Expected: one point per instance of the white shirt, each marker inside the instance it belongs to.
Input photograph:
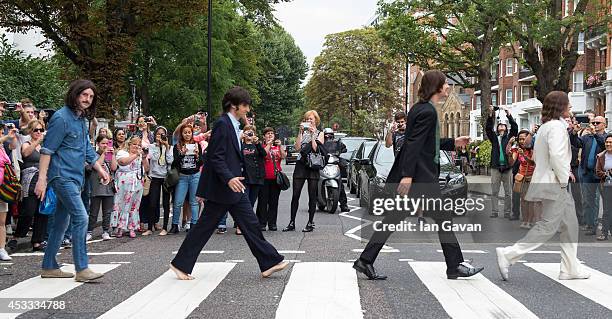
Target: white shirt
(236, 125)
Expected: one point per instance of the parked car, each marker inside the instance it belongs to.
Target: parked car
(375, 169)
(354, 165)
(352, 144)
(292, 155)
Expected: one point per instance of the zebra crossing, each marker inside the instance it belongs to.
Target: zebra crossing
(321, 290)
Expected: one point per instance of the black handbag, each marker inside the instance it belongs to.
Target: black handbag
(172, 178)
(315, 160)
(281, 178)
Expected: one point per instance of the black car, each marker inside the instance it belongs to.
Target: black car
(292, 155)
(352, 143)
(375, 169)
(354, 166)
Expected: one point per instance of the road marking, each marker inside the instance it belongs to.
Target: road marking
(234, 261)
(120, 262)
(5, 264)
(168, 297)
(596, 288)
(364, 222)
(29, 254)
(405, 259)
(291, 252)
(206, 252)
(111, 253)
(469, 251)
(476, 297)
(293, 260)
(321, 290)
(544, 252)
(99, 240)
(392, 250)
(47, 289)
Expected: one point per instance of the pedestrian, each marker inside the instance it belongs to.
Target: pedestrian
(65, 151)
(222, 189)
(267, 203)
(604, 172)
(574, 131)
(119, 138)
(160, 160)
(418, 164)
(549, 185)
(11, 137)
(522, 152)
(591, 143)
(336, 148)
(102, 196)
(129, 181)
(308, 141)
(395, 136)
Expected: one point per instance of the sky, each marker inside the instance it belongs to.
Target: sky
(309, 21)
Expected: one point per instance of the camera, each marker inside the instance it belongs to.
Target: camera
(250, 134)
(148, 119)
(164, 137)
(306, 125)
(495, 108)
(11, 106)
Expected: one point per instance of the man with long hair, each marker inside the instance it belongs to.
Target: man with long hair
(65, 151)
(418, 164)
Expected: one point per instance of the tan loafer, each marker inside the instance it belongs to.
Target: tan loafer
(278, 267)
(147, 233)
(163, 233)
(55, 273)
(87, 275)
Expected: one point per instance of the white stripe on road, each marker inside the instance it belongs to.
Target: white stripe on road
(321, 290)
(291, 252)
(392, 250)
(29, 254)
(544, 252)
(405, 259)
(596, 288)
(206, 252)
(120, 262)
(111, 253)
(474, 297)
(168, 297)
(468, 251)
(234, 261)
(47, 288)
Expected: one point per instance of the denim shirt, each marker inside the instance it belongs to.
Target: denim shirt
(67, 142)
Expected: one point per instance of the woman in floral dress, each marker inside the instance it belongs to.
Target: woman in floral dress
(129, 181)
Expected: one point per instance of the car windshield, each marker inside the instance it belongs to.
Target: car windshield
(367, 148)
(351, 144)
(385, 155)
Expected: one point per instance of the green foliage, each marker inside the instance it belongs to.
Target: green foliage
(27, 77)
(484, 153)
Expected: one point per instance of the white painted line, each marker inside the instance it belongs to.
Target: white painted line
(293, 260)
(99, 240)
(522, 261)
(206, 252)
(321, 290)
(393, 250)
(168, 297)
(111, 253)
(610, 253)
(5, 264)
(291, 252)
(352, 260)
(47, 288)
(469, 251)
(596, 288)
(474, 297)
(544, 252)
(405, 259)
(234, 261)
(120, 262)
(29, 254)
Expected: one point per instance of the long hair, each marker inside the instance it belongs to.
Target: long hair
(433, 81)
(72, 97)
(32, 125)
(555, 103)
(181, 142)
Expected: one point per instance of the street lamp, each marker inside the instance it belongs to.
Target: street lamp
(209, 75)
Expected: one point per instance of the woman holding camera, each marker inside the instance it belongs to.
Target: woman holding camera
(604, 172)
(129, 181)
(102, 196)
(119, 138)
(188, 159)
(309, 140)
(523, 152)
(160, 160)
(267, 205)
(143, 130)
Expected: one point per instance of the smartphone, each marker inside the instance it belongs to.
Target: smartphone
(191, 149)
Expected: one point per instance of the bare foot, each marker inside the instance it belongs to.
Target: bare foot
(181, 275)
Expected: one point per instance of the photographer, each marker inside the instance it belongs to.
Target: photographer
(160, 161)
(522, 151)
(336, 148)
(574, 131)
(395, 136)
(143, 131)
(592, 143)
(501, 170)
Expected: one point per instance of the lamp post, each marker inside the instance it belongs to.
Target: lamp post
(209, 75)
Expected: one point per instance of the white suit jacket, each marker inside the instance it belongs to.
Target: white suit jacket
(552, 156)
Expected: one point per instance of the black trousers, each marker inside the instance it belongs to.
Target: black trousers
(106, 202)
(343, 200)
(448, 240)
(29, 216)
(298, 184)
(267, 205)
(242, 213)
(577, 195)
(253, 193)
(155, 192)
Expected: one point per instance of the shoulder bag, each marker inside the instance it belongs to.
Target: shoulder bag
(281, 178)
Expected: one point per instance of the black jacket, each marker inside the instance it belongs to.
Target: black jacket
(495, 147)
(585, 143)
(576, 144)
(336, 148)
(254, 163)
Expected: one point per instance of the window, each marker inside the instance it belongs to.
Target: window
(493, 99)
(581, 43)
(509, 66)
(494, 71)
(525, 92)
(578, 80)
(509, 96)
(566, 8)
(478, 102)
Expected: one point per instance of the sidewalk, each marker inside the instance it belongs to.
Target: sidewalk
(480, 184)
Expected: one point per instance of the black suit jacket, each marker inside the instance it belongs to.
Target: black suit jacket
(416, 157)
(223, 161)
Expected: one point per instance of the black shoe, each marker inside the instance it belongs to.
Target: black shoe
(463, 271)
(494, 215)
(514, 218)
(345, 209)
(309, 227)
(221, 230)
(262, 227)
(40, 247)
(174, 229)
(290, 227)
(507, 215)
(368, 270)
(12, 244)
(272, 228)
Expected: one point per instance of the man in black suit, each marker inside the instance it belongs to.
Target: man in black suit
(416, 170)
(222, 190)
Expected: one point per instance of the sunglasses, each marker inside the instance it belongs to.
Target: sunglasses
(40, 130)
(596, 123)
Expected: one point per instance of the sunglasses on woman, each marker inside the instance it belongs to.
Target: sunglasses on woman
(40, 130)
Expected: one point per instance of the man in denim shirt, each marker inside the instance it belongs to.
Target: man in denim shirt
(65, 150)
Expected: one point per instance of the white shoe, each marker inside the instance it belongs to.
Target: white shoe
(502, 263)
(88, 237)
(582, 275)
(105, 236)
(187, 227)
(4, 256)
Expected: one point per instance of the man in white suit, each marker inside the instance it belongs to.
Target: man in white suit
(552, 155)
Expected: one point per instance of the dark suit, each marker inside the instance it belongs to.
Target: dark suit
(223, 162)
(416, 159)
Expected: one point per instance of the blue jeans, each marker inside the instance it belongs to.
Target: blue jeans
(590, 196)
(70, 209)
(187, 183)
(50, 221)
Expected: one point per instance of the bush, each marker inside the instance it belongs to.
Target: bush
(484, 153)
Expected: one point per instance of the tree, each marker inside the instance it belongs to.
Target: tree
(38, 79)
(354, 73)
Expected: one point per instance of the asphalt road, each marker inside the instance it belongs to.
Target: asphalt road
(318, 284)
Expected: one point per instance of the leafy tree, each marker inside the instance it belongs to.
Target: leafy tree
(354, 73)
(38, 79)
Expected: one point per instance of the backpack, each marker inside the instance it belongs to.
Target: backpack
(10, 188)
